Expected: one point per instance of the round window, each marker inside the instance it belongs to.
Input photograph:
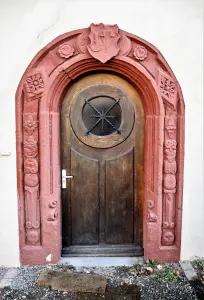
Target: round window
(102, 115)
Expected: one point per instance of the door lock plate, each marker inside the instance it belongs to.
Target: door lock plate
(64, 178)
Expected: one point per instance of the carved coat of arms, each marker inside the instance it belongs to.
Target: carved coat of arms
(104, 41)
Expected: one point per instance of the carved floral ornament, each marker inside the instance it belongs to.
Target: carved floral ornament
(167, 88)
(66, 50)
(140, 52)
(34, 83)
(38, 147)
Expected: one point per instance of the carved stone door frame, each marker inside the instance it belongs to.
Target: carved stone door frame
(38, 104)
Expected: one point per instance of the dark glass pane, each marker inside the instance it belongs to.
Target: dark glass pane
(102, 115)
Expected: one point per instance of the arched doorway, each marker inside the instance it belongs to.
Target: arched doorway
(102, 133)
(99, 48)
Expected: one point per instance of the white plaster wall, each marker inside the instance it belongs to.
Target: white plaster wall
(175, 27)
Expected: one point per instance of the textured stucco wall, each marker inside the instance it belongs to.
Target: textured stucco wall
(175, 27)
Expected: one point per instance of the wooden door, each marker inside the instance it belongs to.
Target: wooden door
(102, 128)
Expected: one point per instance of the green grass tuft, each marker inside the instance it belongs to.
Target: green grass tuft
(168, 273)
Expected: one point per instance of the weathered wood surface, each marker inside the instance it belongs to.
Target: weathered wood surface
(102, 205)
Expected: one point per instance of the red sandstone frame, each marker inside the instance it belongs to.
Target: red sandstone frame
(38, 104)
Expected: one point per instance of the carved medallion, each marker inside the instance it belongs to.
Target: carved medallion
(168, 237)
(171, 145)
(31, 179)
(30, 165)
(30, 147)
(104, 41)
(170, 126)
(33, 237)
(140, 52)
(170, 166)
(30, 124)
(66, 50)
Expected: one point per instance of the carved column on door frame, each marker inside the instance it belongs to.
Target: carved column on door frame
(33, 87)
(169, 179)
(31, 179)
(168, 92)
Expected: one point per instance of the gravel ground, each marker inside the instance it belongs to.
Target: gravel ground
(2, 272)
(199, 268)
(129, 283)
(166, 290)
(198, 284)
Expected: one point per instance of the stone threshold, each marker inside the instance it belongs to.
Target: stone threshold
(101, 261)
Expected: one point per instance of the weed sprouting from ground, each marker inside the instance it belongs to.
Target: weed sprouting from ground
(158, 271)
(151, 263)
(168, 273)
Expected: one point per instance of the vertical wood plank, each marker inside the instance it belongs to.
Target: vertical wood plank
(119, 200)
(84, 200)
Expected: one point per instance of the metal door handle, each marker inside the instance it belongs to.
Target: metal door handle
(64, 177)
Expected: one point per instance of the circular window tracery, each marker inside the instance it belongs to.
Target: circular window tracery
(102, 115)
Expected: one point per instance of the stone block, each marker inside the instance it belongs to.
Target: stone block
(188, 270)
(77, 282)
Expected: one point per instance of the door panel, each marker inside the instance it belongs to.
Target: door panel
(103, 203)
(119, 200)
(84, 200)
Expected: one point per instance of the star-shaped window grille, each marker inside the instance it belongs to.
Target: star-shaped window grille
(103, 115)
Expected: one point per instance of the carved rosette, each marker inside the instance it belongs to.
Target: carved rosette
(169, 178)
(66, 50)
(167, 88)
(34, 85)
(140, 52)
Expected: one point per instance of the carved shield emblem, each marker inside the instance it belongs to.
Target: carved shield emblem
(104, 41)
